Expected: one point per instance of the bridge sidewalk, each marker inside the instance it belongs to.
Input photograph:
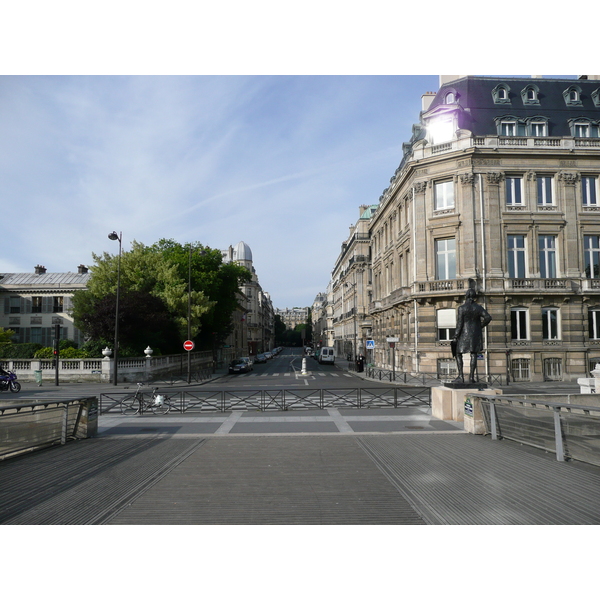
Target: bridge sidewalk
(166, 471)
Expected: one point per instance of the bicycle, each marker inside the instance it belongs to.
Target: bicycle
(138, 403)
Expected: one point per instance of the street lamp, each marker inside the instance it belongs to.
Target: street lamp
(113, 236)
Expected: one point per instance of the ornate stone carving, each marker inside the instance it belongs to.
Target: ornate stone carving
(467, 178)
(420, 187)
(493, 178)
(568, 177)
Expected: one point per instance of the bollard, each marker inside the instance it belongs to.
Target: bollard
(303, 366)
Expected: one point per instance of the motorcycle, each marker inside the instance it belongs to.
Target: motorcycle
(8, 381)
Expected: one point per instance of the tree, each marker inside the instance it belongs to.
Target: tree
(219, 282)
(6, 335)
(144, 320)
(160, 272)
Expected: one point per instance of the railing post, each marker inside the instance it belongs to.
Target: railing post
(560, 454)
(493, 420)
(63, 436)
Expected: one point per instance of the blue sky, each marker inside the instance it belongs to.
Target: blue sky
(280, 162)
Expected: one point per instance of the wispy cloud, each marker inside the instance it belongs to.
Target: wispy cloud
(281, 163)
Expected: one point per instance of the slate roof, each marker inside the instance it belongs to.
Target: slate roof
(474, 95)
(44, 280)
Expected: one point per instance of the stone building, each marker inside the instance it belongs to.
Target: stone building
(254, 322)
(351, 288)
(292, 317)
(34, 303)
(498, 189)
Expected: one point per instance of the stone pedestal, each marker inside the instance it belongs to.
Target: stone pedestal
(449, 404)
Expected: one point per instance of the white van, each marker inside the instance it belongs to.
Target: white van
(326, 355)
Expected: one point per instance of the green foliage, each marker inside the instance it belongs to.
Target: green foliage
(67, 352)
(164, 272)
(6, 335)
(18, 350)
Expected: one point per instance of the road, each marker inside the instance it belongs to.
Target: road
(285, 371)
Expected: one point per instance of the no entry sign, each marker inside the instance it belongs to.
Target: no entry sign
(188, 345)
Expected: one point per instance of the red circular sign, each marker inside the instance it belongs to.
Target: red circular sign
(188, 345)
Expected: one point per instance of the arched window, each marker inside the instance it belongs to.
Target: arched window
(530, 94)
(572, 96)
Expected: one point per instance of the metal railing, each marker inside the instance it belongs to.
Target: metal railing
(265, 400)
(571, 431)
(418, 378)
(27, 427)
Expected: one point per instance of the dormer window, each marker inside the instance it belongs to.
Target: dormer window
(537, 126)
(596, 97)
(572, 96)
(450, 98)
(583, 127)
(500, 94)
(509, 126)
(530, 95)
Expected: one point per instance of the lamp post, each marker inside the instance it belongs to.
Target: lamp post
(113, 236)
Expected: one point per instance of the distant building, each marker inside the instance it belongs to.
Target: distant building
(34, 303)
(254, 325)
(292, 317)
(351, 289)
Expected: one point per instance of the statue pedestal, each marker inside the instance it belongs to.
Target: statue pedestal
(449, 403)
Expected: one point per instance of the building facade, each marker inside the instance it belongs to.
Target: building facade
(498, 189)
(254, 322)
(34, 303)
(292, 317)
(351, 289)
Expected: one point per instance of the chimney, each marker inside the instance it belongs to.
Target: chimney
(426, 100)
(39, 270)
(448, 78)
(361, 209)
(82, 269)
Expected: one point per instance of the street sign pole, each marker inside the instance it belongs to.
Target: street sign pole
(188, 345)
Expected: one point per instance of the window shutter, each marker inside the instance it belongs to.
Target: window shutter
(47, 304)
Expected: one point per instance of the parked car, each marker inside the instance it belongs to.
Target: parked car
(326, 355)
(260, 358)
(269, 355)
(239, 365)
(249, 360)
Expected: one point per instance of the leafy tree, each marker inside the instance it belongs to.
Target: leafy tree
(153, 304)
(211, 277)
(144, 269)
(279, 326)
(6, 335)
(144, 320)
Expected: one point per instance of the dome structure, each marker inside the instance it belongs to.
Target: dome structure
(242, 252)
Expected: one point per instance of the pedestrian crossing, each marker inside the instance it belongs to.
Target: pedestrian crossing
(255, 375)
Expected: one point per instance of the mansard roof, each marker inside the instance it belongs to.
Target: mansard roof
(477, 104)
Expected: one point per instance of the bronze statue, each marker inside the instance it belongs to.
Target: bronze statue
(468, 337)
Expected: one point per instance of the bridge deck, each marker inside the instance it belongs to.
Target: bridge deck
(155, 475)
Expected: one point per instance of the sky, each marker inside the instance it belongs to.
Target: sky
(280, 162)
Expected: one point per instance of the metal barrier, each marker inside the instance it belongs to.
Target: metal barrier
(571, 431)
(27, 427)
(265, 400)
(418, 378)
